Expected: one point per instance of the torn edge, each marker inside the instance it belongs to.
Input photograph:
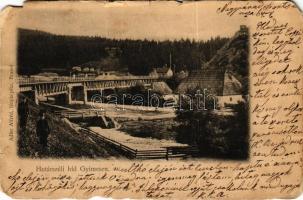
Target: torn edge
(4, 4)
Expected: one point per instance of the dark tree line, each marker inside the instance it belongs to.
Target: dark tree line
(215, 136)
(38, 50)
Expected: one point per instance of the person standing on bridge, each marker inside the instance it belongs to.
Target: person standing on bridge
(42, 130)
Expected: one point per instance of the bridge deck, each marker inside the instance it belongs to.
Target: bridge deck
(33, 81)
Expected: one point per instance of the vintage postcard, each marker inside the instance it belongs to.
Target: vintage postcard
(135, 99)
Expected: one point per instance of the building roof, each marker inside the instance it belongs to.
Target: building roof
(216, 82)
(232, 85)
(203, 79)
(162, 70)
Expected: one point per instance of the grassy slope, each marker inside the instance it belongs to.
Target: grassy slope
(63, 141)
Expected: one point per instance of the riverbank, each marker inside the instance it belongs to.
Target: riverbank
(138, 121)
(63, 141)
(127, 111)
(136, 142)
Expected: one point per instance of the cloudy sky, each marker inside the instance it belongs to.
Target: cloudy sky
(140, 20)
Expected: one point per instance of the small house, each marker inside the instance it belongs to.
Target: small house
(163, 72)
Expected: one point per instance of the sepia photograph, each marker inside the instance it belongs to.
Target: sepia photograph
(151, 99)
(163, 93)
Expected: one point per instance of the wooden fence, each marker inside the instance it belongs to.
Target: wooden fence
(166, 153)
(73, 113)
(127, 151)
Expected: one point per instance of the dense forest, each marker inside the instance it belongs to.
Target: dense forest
(38, 50)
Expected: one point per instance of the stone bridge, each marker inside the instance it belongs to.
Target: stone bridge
(64, 88)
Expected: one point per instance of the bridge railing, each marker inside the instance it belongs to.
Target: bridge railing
(31, 80)
(52, 79)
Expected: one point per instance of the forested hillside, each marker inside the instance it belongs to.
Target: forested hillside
(38, 50)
